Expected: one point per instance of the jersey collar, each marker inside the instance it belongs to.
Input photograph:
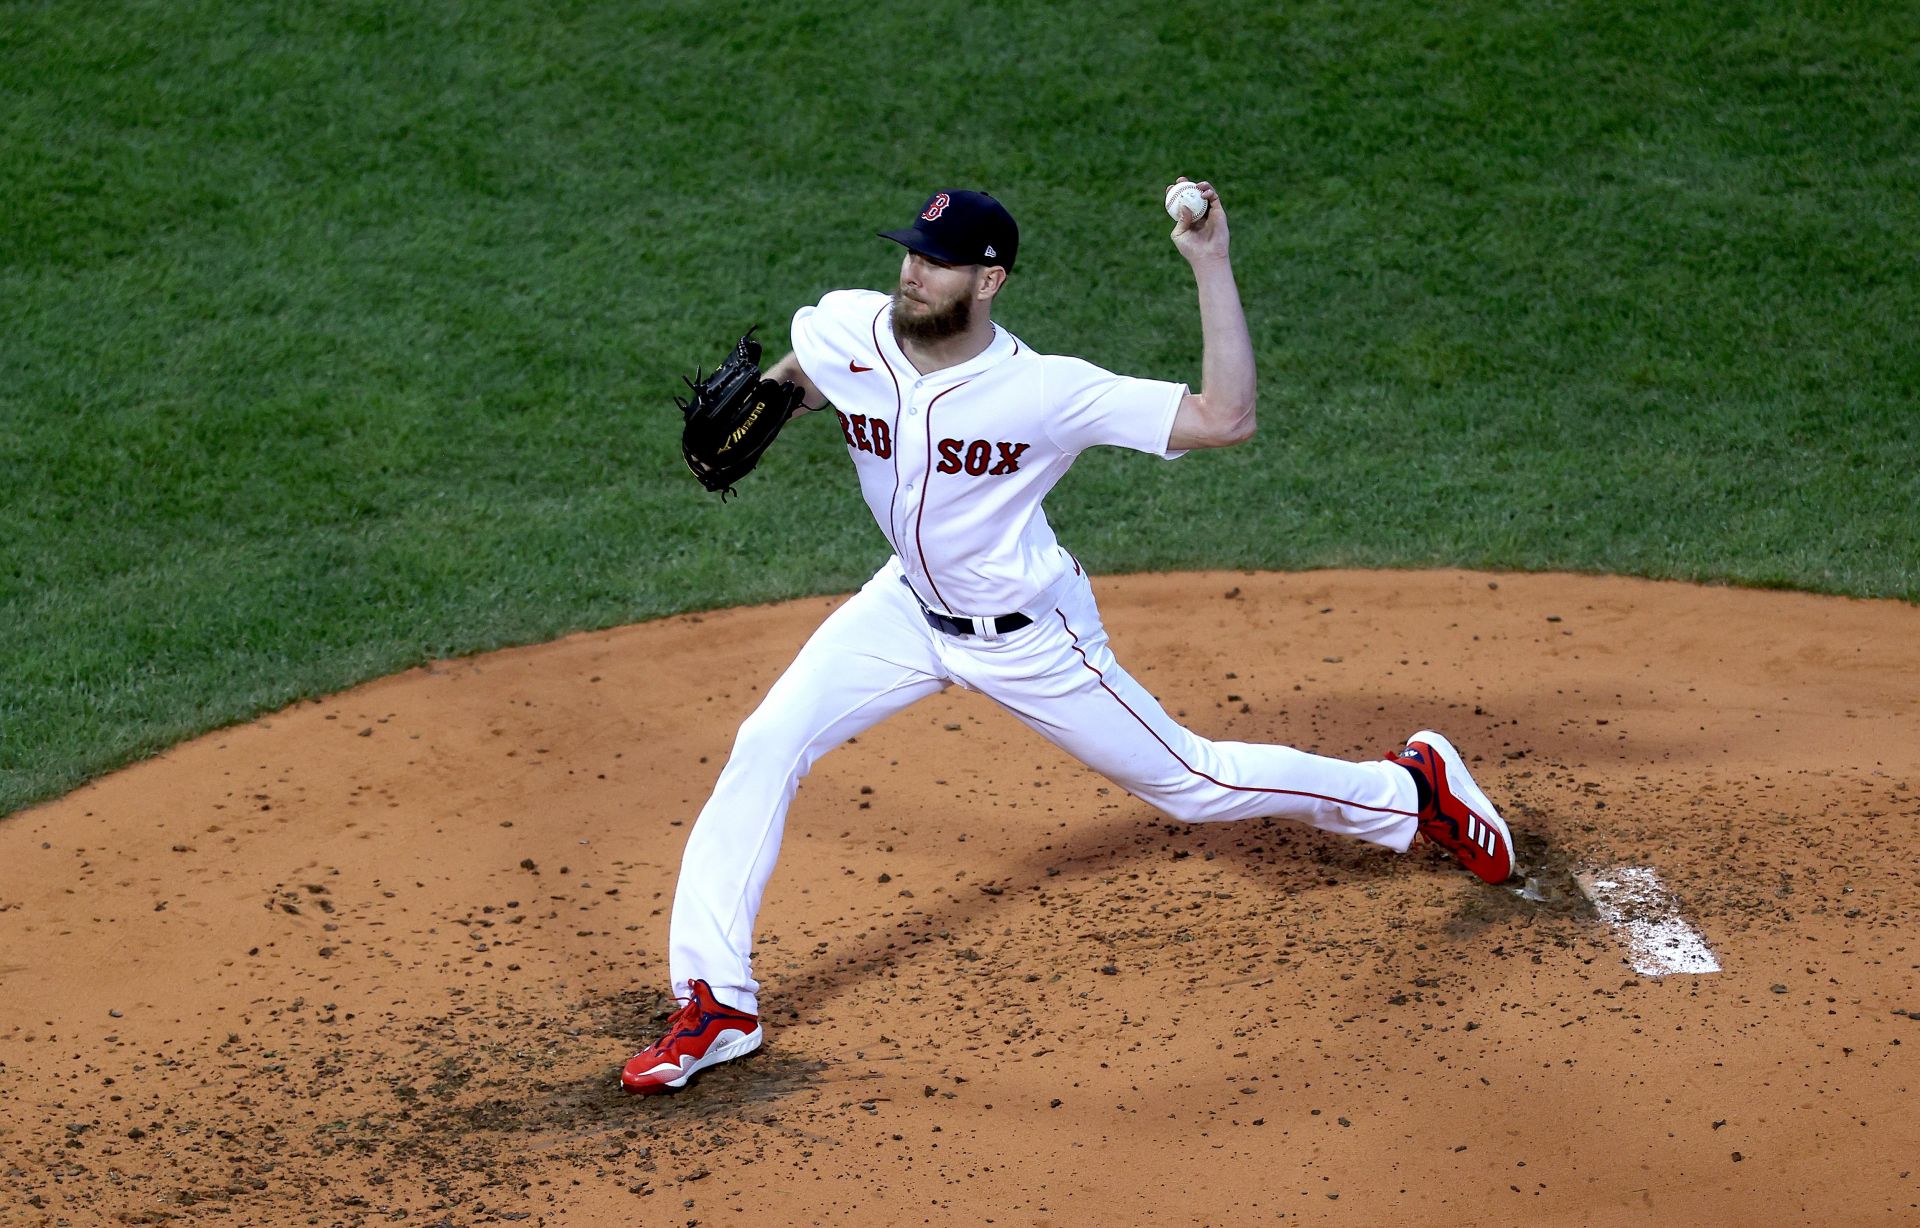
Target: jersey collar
(1002, 347)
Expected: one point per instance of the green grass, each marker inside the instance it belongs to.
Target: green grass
(335, 338)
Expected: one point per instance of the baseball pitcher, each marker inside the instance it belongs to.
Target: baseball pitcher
(956, 430)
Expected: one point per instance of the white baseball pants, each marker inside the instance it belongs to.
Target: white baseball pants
(876, 655)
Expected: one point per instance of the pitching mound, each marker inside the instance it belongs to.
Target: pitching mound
(378, 959)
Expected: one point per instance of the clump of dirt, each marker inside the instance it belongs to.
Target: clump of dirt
(568, 1106)
(1544, 877)
(1542, 889)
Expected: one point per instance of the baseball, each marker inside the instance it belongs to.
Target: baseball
(1185, 194)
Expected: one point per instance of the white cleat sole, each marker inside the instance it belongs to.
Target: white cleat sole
(726, 1047)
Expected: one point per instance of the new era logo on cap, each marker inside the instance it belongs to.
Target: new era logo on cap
(956, 226)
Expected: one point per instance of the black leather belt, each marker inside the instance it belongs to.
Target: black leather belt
(999, 624)
(975, 626)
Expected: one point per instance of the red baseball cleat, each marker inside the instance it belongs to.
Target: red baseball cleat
(700, 1034)
(1454, 813)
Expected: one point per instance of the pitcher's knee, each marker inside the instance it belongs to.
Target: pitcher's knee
(765, 742)
(1186, 805)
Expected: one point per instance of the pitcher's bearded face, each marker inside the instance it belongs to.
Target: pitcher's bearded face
(934, 301)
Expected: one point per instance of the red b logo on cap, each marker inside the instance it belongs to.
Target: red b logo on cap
(936, 207)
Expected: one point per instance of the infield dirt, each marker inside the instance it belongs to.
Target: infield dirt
(378, 958)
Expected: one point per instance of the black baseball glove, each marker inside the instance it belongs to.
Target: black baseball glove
(733, 417)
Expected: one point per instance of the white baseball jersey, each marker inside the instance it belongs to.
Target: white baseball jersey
(954, 464)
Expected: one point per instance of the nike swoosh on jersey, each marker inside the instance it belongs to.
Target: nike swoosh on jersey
(855, 367)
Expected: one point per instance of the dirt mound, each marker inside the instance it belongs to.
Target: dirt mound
(378, 958)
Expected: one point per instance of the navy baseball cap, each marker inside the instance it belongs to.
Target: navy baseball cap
(960, 227)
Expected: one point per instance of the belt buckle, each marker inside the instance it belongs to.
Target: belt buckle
(961, 624)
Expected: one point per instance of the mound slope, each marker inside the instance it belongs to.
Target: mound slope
(378, 958)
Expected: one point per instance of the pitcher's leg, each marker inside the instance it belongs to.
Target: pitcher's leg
(1093, 709)
(865, 663)
(1201, 781)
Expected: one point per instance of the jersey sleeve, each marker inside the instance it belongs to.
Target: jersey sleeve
(1088, 406)
(833, 331)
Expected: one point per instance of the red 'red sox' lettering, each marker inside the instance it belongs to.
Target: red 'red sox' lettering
(975, 457)
(857, 429)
